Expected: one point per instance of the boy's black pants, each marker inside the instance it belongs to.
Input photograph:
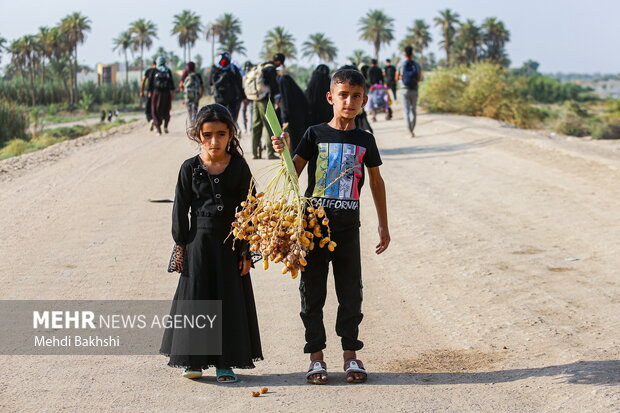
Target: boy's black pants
(347, 270)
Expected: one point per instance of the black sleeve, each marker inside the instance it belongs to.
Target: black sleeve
(271, 78)
(240, 86)
(372, 158)
(180, 208)
(172, 87)
(151, 74)
(307, 147)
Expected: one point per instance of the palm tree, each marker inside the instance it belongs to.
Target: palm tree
(446, 21)
(377, 28)
(495, 36)
(320, 46)
(123, 43)
(74, 28)
(224, 27)
(187, 27)
(358, 57)
(47, 44)
(232, 44)
(418, 37)
(25, 55)
(468, 41)
(278, 40)
(142, 33)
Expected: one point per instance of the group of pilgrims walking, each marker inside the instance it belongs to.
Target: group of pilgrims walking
(328, 117)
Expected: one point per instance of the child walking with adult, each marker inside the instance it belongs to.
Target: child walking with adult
(161, 92)
(336, 153)
(210, 187)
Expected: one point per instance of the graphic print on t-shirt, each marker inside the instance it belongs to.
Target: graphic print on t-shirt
(338, 171)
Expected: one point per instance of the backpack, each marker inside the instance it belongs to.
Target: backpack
(162, 80)
(191, 86)
(410, 74)
(254, 82)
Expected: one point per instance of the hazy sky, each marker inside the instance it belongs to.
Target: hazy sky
(562, 35)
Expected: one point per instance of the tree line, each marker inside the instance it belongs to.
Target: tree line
(53, 51)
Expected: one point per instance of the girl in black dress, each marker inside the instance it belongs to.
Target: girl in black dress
(210, 187)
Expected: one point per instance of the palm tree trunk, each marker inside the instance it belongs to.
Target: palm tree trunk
(32, 89)
(75, 74)
(126, 68)
(189, 52)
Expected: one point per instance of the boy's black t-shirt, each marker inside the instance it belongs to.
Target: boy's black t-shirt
(336, 160)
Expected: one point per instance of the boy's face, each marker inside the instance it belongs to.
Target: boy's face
(347, 99)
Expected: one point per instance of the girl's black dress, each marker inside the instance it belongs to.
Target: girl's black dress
(211, 267)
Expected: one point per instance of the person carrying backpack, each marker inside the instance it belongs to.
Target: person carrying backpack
(193, 88)
(161, 92)
(410, 75)
(261, 85)
(227, 84)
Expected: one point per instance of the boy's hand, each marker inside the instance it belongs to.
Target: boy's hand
(278, 142)
(244, 266)
(384, 240)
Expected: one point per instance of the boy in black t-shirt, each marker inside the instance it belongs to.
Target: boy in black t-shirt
(336, 153)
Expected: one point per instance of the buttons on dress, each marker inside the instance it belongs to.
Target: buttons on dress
(218, 196)
(216, 180)
(220, 207)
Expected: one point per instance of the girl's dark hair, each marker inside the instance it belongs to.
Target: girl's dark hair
(216, 113)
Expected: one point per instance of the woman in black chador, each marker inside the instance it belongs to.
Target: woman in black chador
(319, 109)
(210, 187)
(293, 109)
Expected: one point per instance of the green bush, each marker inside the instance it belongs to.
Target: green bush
(574, 120)
(606, 129)
(13, 121)
(442, 90)
(483, 89)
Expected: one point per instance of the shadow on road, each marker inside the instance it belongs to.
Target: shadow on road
(602, 373)
(419, 150)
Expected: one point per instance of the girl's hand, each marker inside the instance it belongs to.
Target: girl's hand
(244, 266)
(278, 142)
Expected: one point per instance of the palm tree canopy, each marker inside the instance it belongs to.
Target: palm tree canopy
(143, 32)
(123, 42)
(74, 27)
(187, 27)
(358, 57)
(418, 37)
(278, 40)
(224, 27)
(377, 28)
(321, 46)
(232, 44)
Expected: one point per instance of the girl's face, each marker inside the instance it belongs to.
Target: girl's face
(214, 137)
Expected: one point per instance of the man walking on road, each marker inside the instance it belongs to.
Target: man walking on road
(409, 74)
(147, 77)
(390, 76)
(261, 85)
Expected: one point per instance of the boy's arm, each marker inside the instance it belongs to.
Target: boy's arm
(377, 187)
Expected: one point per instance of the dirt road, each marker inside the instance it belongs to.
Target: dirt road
(500, 291)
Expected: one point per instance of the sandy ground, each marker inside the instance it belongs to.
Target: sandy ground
(474, 307)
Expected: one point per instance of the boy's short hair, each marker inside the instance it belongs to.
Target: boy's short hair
(388, 61)
(351, 76)
(408, 51)
(373, 61)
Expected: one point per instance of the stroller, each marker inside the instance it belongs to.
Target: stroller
(379, 100)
